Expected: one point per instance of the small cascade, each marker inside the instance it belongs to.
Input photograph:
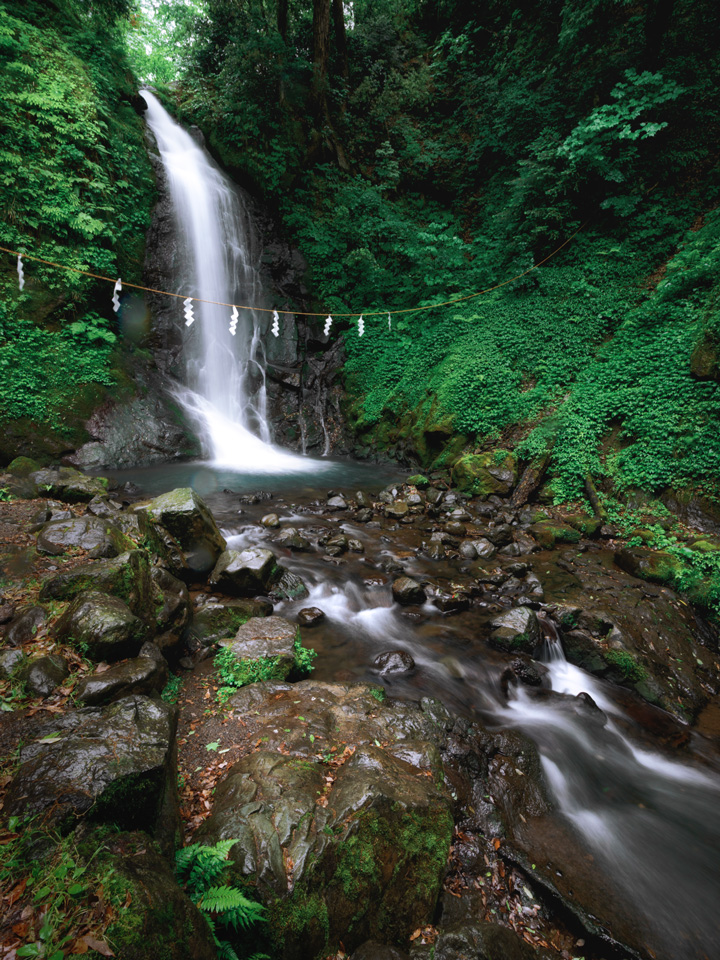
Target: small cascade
(217, 253)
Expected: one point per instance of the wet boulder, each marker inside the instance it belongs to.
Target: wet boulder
(126, 576)
(518, 629)
(25, 625)
(396, 510)
(484, 474)
(103, 626)
(92, 534)
(336, 502)
(362, 842)
(244, 573)
(394, 662)
(407, 591)
(337, 545)
(42, 675)
(186, 517)
(266, 638)
(214, 621)
(270, 520)
(145, 675)
(117, 761)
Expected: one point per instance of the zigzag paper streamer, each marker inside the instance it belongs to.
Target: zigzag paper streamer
(328, 324)
(234, 321)
(361, 326)
(21, 273)
(276, 324)
(389, 322)
(116, 298)
(189, 318)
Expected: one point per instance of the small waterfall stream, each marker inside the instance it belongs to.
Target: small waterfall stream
(225, 392)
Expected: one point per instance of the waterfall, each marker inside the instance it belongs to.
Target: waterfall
(225, 374)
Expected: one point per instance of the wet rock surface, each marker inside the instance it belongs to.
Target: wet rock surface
(102, 626)
(142, 674)
(244, 573)
(186, 517)
(116, 761)
(266, 638)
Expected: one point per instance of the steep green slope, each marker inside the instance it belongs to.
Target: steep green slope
(75, 188)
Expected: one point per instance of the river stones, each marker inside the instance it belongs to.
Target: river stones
(270, 520)
(407, 591)
(140, 675)
(288, 586)
(244, 573)
(116, 760)
(394, 662)
(92, 534)
(290, 538)
(310, 616)
(102, 626)
(126, 576)
(266, 638)
(186, 517)
(360, 839)
(336, 502)
(396, 510)
(517, 629)
(214, 620)
(41, 675)
(483, 474)
(68, 484)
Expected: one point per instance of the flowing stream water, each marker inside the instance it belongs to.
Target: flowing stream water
(649, 819)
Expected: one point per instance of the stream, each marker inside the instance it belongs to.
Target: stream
(646, 815)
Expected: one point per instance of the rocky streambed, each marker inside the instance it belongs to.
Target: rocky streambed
(506, 746)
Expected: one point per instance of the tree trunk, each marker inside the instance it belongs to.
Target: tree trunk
(529, 481)
(321, 53)
(340, 38)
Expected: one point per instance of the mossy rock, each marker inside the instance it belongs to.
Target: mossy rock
(22, 466)
(126, 577)
(157, 918)
(484, 474)
(655, 566)
(419, 481)
(586, 523)
(550, 532)
(705, 358)
(706, 545)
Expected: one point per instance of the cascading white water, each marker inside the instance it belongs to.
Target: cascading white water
(225, 393)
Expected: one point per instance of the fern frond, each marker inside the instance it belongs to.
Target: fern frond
(225, 951)
(231, 906)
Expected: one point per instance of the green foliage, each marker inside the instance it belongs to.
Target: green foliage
(234, 673)
(626, 664)
(75, 188)
(61, 887)
(200, 868)
(171, 690)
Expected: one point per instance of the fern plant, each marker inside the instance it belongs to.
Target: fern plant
(201, 868)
